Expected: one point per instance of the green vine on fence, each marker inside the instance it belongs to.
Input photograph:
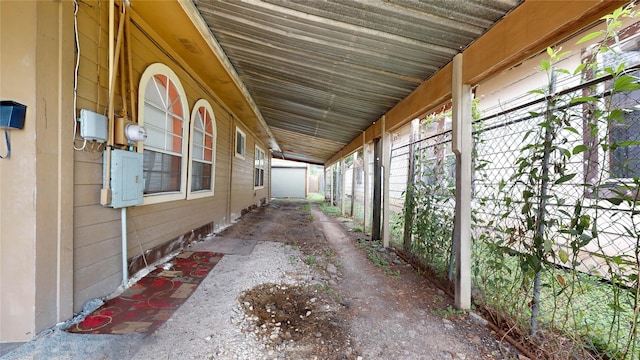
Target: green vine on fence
(430, 197)
(545, 216)
(546, 229)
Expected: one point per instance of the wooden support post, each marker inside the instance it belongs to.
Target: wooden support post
(333, 184)
(353, 184)
(324, 183)
(386, 165)
(462, 147)
(343, 182)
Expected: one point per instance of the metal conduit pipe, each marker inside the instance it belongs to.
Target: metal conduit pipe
(125, 266)
(114, 55)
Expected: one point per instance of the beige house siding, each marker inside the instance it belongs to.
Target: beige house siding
(243, 193)
(97, 265)
(96, 229)
(36, 43)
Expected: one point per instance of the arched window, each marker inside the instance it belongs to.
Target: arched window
(203, 151)
(163, 106)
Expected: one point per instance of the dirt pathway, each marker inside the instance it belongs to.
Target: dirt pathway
(391, 309)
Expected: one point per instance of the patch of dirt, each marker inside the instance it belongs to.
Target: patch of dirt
(369, 303)
(285, 221)
(303, 315)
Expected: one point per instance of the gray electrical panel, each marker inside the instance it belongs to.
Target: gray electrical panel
(127, 180)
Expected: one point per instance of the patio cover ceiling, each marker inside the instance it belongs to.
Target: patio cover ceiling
(321, 72)
(310, 77)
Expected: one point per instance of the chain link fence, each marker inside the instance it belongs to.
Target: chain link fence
(555, 200)
(422, 178)
(556, 190)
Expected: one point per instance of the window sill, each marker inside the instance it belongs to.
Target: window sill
(199, 194)
(150, 199)
(614, 189)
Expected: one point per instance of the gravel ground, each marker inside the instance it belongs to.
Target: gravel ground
(206, 326)
(317, 291)
(209, 324)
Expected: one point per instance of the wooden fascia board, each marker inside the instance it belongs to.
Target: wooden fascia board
(437, 88)
(527, 31)
(431, 94)
(372, 132)
(334, 159)
(353, 146)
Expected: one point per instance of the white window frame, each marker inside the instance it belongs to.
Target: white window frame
(600, 160)
(244, 144)
(147, 75)
(259, 164)
(196, 194)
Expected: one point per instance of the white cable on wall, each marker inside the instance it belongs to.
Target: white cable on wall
(75, 78)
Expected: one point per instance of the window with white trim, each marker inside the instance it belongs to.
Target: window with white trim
(241, 142)
(163, 106)
(203, 150)
(258, 173)
(625, 129)
(622, 162)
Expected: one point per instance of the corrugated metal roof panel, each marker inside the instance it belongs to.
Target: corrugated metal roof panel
(323, 71)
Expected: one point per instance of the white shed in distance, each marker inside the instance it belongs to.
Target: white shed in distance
(288, 179)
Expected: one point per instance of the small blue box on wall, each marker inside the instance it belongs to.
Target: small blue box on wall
(12, 114)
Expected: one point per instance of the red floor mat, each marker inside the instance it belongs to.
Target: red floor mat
(143, 307)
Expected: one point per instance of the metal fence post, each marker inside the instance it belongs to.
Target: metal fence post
(377, 190)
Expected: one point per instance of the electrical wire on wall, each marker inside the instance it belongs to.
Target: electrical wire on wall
(75, 78)
(89, 146)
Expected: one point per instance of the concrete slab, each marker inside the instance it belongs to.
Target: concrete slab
(225, 245)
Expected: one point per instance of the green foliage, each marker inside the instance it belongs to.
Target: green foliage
(315, 197)
(330, 210)
(310, 260)
(540, 224)
(376, 258)
(538, 234)
(324, 287)
(394, 273)
(372, 249)
(448, 313)
(397, 227)
(329, 252)
(433, 193)
(433, 202)
(433, 223)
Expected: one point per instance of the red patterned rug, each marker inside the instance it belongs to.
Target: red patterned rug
(145, 306)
